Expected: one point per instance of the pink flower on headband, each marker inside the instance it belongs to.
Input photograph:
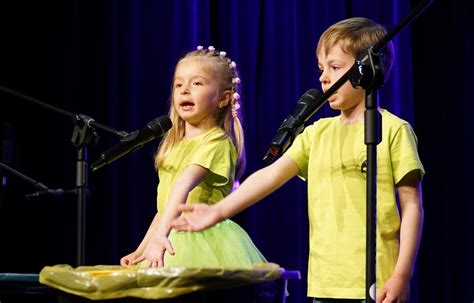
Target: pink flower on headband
(235, 108)
(236, 80)
(237, 97)
(233, 64)
(222, 54)
(200, 47)
(211, 48)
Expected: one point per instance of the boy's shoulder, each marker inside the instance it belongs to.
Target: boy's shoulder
(391, 119)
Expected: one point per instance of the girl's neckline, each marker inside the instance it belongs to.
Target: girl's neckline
(200, 135)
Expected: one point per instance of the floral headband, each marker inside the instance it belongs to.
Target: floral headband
(235, 80)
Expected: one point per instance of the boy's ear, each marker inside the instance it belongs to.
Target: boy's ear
(225, 99)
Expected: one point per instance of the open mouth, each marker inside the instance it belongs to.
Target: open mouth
(186, 105)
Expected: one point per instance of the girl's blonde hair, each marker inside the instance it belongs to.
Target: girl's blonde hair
(227, 117)
(355, 35)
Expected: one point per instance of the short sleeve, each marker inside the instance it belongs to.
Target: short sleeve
(404, 153)
(219, 157)
(300, 149)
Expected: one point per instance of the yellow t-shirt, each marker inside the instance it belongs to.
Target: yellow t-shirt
(212, 150)
(331, 156)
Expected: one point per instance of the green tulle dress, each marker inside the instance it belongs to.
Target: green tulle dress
(225, 245)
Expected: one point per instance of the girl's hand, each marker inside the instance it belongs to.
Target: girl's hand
(155, 251)
(396, 290)
(127, 260)
(200, 216)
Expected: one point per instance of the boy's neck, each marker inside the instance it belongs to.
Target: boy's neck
(352, 116)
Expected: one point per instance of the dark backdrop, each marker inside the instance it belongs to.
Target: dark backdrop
(113, 61)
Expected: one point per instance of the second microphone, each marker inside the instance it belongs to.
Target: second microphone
(293, 125)
(154, 129)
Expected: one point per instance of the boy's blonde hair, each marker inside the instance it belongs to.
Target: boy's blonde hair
(355, 35)
(227, 117)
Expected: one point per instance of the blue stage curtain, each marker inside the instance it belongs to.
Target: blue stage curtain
(114, 61)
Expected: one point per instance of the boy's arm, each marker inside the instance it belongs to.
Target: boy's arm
(410, 196)
(256, 187)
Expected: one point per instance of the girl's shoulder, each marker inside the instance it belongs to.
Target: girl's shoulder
(215, 137)
(215, 133)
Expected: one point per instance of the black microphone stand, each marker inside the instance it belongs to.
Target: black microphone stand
(83, 136)
(368, 74)
(371, 79)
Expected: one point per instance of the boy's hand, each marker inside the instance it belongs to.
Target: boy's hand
(396, 290)
(155, 251)
(200, 216)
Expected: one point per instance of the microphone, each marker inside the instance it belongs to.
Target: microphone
(293, 125)
(154, 129)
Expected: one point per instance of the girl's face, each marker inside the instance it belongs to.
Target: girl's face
(333, 65)
(196, 94)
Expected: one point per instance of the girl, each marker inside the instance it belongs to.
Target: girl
(197, 161)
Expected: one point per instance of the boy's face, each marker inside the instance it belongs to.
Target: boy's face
(333, 65)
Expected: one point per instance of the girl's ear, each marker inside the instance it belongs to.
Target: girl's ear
(225, 99)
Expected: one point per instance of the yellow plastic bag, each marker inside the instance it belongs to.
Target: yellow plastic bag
(111, 281)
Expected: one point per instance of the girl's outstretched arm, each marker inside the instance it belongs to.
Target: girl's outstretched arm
(158, 243)
(256, 187)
